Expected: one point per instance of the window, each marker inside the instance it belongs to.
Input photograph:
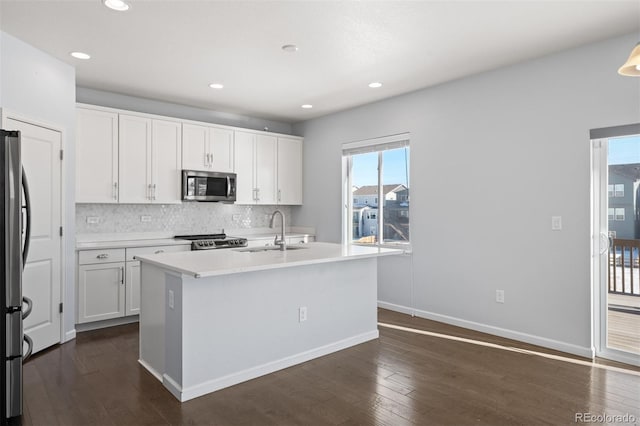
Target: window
(616, 213)
(379, 169)
(615, 190)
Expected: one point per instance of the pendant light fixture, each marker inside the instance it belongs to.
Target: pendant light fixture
(632, 66)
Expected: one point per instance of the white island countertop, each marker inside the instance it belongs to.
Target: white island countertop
(208, 263)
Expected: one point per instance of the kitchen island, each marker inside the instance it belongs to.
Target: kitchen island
(211, 319)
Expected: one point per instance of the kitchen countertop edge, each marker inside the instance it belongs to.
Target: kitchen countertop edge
(332, 253)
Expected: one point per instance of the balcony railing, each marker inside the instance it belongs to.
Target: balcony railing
(624, 267)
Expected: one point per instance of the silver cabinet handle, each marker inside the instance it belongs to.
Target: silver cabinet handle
(122, 275)
(153, 196)
(102, 256)
(279, 195)
(206, 159)
(210, 160)
(257, 194)
(149, 192)
(158, 251)
(115, 190)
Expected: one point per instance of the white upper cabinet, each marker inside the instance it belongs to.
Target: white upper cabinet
(207, 148)
(136, 158)
(166, 161)
(96, 156)
(150, 160)
(289, 171)
(244, 166)
(256, 168)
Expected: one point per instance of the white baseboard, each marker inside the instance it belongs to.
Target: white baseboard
(96, 325)
(69, 335)
(185, 394)
(395, 308)
(497, 331)
(151, 370)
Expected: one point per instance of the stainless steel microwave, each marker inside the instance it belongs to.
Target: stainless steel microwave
(208, 186)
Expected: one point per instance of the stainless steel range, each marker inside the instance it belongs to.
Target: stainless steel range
(213, 241)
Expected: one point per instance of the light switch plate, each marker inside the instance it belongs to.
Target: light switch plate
(556, 223)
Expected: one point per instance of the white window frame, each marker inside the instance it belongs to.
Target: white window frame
(349, 149)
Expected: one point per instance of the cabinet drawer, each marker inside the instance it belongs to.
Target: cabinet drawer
(86, 257)
(139, 251)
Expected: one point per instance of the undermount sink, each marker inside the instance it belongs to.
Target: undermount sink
(267, 248)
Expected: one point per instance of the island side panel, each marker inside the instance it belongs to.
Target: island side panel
(240, 326)
(152, 299)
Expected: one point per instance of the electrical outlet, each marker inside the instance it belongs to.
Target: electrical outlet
(171, 299)
(556, 223)
(302, 313)
(145, 218)
(235, 217)
(500, 296)
(93, 219)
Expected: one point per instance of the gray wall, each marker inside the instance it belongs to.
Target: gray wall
(514, 143)
(42, 88)
(150, 106)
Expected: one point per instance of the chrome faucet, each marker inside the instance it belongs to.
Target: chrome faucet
(282, 242)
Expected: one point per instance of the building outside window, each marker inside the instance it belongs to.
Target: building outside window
(377, 211)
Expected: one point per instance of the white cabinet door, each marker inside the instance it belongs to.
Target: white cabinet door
(101, 291)
(96, 156)
(134, 157)
(244, 167)
(221, 149)
(132, 289)
(255, 161)
(289, 171)
(207, 148)
(166, 161)
(195, 147)
(266, 168)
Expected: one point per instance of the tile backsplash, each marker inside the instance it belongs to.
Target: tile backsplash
(185, 218)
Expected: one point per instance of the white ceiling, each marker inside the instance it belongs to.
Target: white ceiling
(172, 50)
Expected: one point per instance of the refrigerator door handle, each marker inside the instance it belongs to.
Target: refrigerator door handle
(27, 355)
(27, 205)
(29, 302)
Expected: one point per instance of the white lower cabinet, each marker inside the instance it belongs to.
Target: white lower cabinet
(101, 284)
(132, 295)
(109, 281)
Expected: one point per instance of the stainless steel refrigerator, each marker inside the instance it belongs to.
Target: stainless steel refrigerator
(14, 247)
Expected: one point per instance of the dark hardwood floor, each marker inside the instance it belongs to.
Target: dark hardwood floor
(401, 378)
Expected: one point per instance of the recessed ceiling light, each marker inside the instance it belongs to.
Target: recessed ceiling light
(80, 55)
(216, 85)
(307, 106)
(118, 5)
(291, 48)
(375, 84)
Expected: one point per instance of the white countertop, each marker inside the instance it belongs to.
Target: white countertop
(207, 263)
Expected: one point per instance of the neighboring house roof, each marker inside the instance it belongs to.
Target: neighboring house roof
(631, 171)
(373, 189)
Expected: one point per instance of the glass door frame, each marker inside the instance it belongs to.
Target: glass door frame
(600, 255)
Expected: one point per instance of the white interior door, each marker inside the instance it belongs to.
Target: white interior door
(42, 273)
